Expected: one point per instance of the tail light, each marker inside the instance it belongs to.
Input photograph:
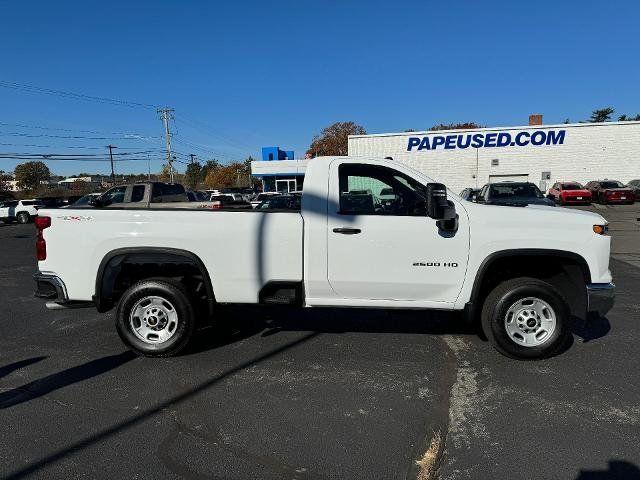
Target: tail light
(41, 245)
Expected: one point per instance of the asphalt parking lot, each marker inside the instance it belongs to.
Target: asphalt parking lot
(315, 394)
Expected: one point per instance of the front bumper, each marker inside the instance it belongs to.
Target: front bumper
(600, 297)
(50, 287)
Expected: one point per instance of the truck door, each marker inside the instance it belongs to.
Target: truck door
(382, 245)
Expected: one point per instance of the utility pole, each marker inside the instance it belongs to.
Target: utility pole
(113, 175)
(192, 156)
(166, 114)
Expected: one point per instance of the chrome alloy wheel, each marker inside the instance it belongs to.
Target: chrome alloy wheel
(153, 319)
(530, 322)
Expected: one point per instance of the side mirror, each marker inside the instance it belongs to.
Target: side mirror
(438, 207)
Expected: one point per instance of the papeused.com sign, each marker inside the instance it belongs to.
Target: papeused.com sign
(486, 140)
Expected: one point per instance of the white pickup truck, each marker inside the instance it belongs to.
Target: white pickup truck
(370, 233)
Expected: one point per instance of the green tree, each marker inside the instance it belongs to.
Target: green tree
(4, 180)
(627, 118)
(30, 175)
(333, 140)
(456, 126)
(193, 175)
(601, 115)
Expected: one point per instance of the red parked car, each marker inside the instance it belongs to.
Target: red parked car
(610, 191)
(569, 193)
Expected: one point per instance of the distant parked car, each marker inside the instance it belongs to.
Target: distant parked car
(281, 202)
(635, 186)
(569, 192)
(610, 191)
(239, 193)
(516, 194)
(212, 192)
(469, 194)
(197, 196)
(21, 211)
(224, 201)
(261, 197)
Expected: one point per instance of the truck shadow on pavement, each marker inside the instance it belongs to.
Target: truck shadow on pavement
(7, 369)
(235, 323)
(55, 381)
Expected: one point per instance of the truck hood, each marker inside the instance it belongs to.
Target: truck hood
(520, 201)
(538, 216)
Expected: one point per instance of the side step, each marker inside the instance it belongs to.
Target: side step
(281, 293)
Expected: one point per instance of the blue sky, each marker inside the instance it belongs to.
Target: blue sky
(242, 75)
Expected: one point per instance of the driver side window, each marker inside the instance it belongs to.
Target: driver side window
(378, 190)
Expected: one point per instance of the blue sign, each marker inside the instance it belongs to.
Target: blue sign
(486, 140)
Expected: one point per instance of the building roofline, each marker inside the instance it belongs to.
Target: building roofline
(494, 129)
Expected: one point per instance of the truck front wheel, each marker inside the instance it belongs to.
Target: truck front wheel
(526, 318)
(155, 318)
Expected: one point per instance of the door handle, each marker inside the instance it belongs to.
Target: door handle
(347, 231)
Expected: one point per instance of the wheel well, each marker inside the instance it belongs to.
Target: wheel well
(122, 268)
(567, 272)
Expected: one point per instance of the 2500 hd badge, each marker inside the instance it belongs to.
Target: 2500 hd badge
(435, 264)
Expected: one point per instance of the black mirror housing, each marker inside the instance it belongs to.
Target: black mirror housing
(438, 207)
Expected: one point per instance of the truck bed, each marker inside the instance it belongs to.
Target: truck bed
(251, 249)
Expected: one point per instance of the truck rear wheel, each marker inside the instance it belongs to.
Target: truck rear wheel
(526, 318)
(155, 318)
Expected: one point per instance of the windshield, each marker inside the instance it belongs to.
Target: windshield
(84, 200)
(571, 186)
(520, 190)
(611, 184)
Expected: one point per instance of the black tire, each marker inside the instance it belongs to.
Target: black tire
(23, 217)
(174, 293)
(499, 301)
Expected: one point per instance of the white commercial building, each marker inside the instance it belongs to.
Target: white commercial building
(542, 154)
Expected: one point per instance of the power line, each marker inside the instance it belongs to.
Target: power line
(202, 148)
(84, 147)
(76, 137)
(86, 155)
(13, 156)
(76, 96)
(204, 128)
(59, 129)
